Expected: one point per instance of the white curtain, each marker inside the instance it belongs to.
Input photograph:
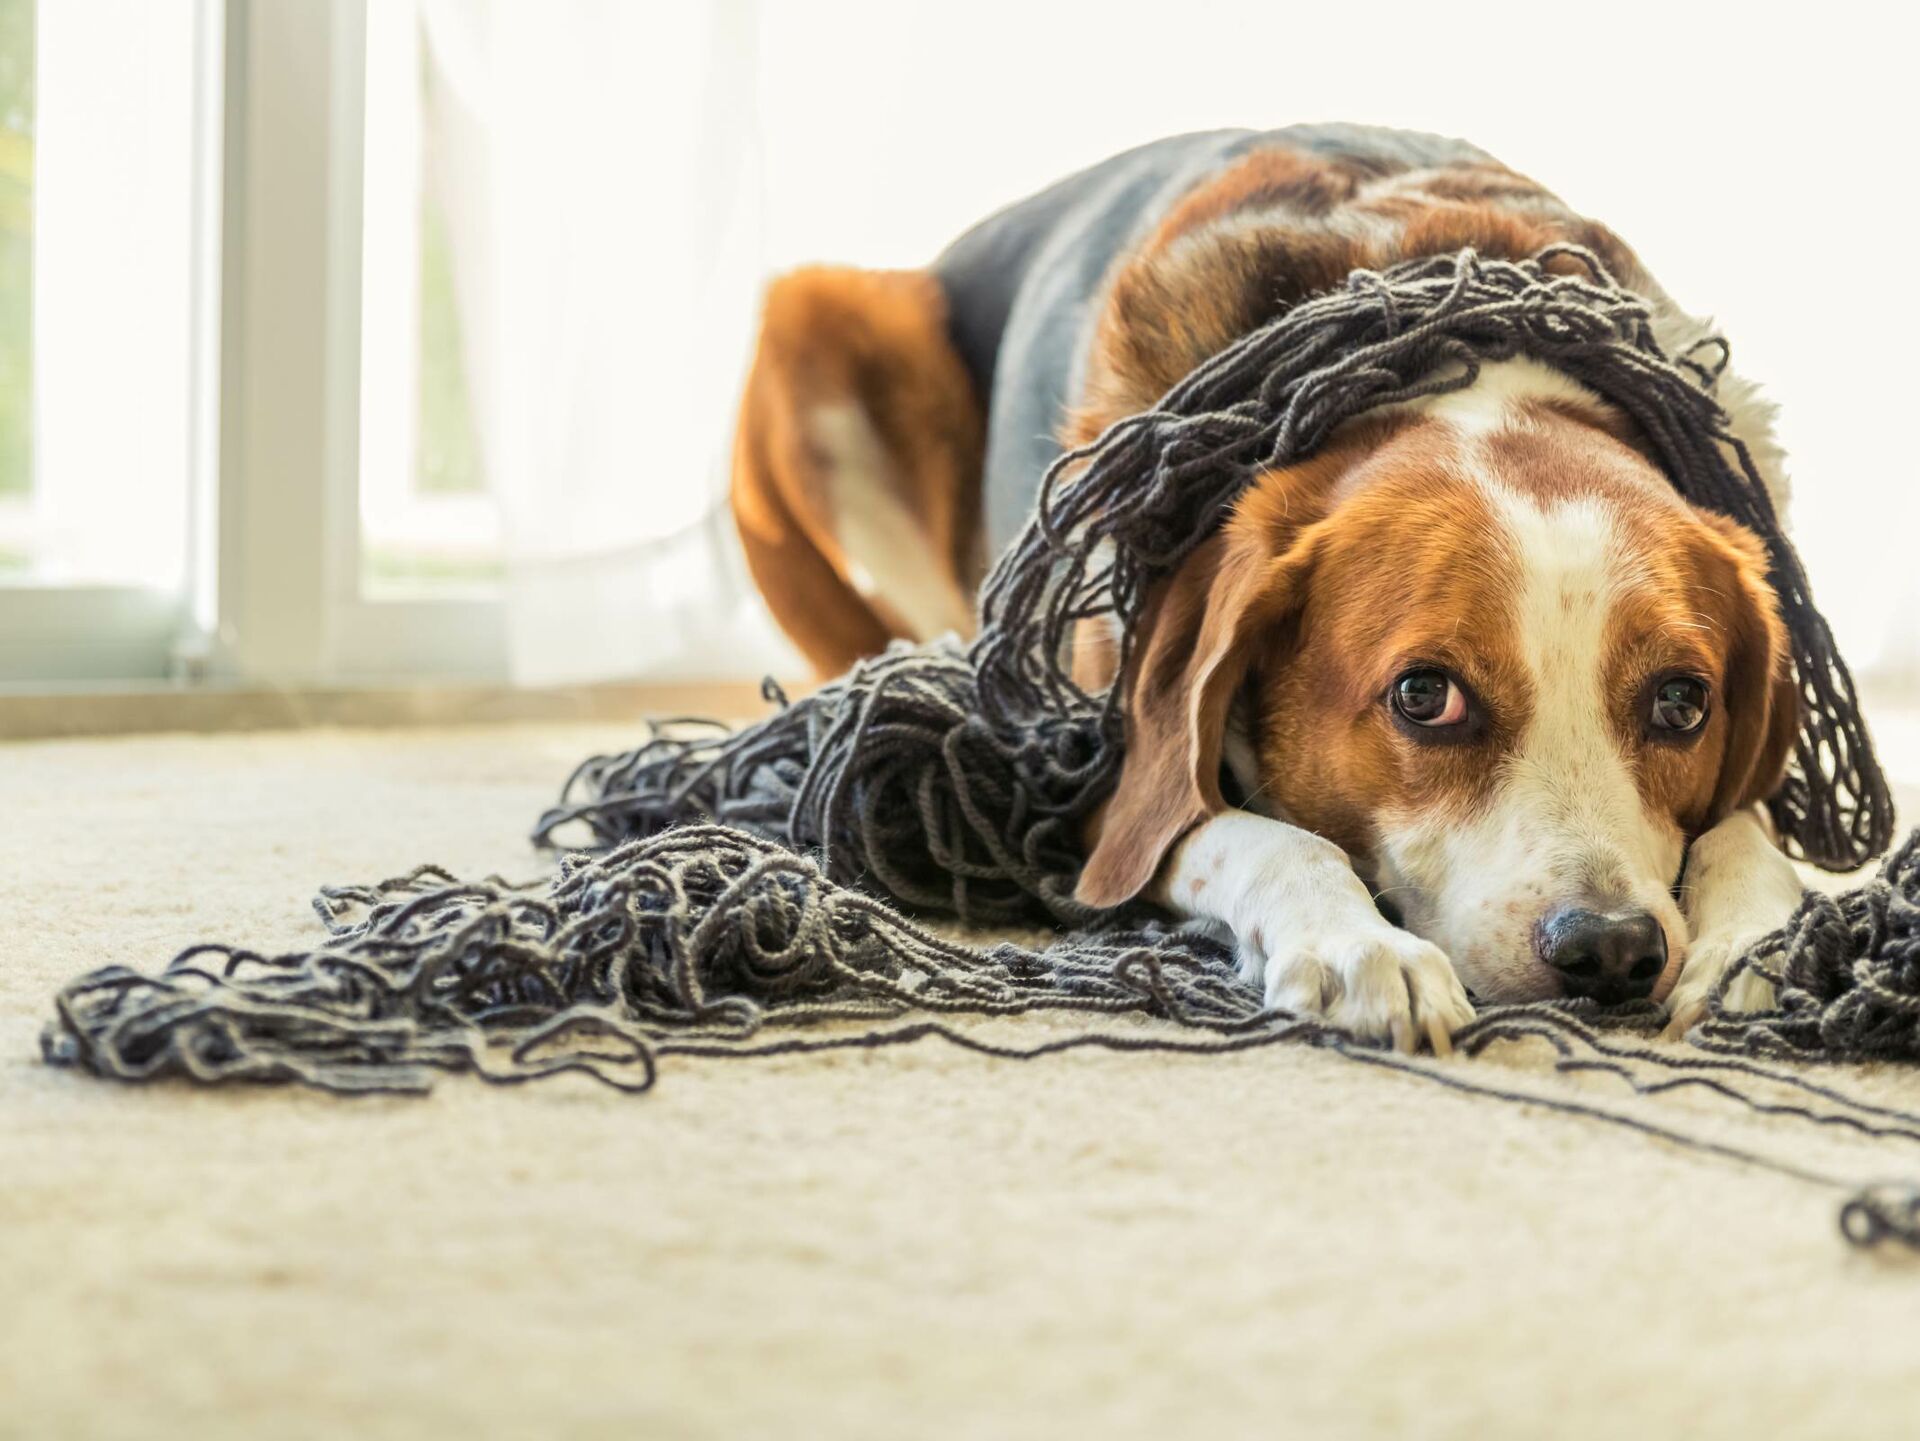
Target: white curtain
(598, 165)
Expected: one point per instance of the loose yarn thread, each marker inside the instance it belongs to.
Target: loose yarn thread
(709, 941)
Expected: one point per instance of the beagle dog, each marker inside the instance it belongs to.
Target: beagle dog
(1468, 705)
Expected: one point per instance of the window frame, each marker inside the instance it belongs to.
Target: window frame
(55, 634)
(272, 594)
(290, 611)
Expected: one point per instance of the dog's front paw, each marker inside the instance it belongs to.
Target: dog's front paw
(1709, 959)
(1372, 979)
(1738, 888)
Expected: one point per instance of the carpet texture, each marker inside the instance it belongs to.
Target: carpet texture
(910, 1242)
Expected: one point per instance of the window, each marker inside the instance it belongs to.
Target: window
(179, 361)
(335, 563)
(429, 524)
(17, 551)
(100, 329)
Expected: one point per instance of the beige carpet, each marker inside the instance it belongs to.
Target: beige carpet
(913, 1243)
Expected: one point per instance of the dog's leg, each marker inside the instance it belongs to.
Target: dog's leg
(857, 464)
(1737, 887)
(1307, 929)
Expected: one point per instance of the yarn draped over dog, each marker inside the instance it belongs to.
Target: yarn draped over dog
(736, 888)
(1121, 512)
(961, 778)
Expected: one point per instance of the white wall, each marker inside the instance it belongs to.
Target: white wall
(1759, 157)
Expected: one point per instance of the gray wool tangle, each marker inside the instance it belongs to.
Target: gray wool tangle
(738, 887)
(712, 942)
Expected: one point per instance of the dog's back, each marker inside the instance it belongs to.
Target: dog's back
(1024, 286)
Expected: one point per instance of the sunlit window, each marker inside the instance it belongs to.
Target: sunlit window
(96, 304)
(16, 287)
(429, 524)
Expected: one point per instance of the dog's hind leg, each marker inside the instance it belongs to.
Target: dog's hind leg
(856, 481)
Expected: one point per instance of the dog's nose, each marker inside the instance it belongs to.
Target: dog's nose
(1611, 957)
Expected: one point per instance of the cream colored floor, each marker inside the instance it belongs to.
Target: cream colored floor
(917, 1242)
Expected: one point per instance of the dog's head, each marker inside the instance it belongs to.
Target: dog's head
(1487, 650)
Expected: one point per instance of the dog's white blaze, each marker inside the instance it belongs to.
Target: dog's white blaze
(1492, 402)
(1567, 808)
(1566, 823)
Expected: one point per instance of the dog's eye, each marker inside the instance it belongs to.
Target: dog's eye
(1679, 704)
(1429, 697)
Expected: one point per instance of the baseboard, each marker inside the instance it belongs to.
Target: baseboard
(69, 711)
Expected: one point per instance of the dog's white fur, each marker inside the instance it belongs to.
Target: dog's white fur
(1566, 821)
(1738, 887)
(880, 540)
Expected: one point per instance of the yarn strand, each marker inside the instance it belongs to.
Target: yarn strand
(710, 942)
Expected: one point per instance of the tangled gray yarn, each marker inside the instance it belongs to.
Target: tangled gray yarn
(693, 941)
(1845, 972)
(709, 941)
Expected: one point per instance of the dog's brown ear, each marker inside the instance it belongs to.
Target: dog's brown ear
(1193, 643)
(1762, 696)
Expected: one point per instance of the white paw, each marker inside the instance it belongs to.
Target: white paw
(1708, 959)
(1738, 888)
(1373, 979)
